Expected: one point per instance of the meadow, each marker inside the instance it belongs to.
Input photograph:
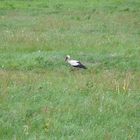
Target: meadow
(41, 98)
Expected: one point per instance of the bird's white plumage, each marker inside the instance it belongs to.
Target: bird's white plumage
(73, 62)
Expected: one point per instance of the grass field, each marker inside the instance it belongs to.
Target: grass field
(41, 98)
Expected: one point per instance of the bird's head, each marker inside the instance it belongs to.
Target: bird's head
(67, 58)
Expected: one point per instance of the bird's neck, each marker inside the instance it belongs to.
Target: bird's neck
(68, 59)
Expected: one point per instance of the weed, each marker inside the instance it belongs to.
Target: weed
(41, 98)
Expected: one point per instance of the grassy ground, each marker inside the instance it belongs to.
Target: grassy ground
(41, 98)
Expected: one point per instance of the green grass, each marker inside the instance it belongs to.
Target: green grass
(41, 98)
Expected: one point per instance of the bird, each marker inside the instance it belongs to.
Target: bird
(74, 63)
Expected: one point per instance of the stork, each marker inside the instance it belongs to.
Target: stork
(74, 63)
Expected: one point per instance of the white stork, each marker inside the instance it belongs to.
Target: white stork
(74, 63)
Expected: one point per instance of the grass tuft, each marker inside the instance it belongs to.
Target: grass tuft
(41, 97)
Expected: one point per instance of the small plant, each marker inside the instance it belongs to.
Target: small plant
(126, 82)
(58, 6)
(26, 129)
(123, 85)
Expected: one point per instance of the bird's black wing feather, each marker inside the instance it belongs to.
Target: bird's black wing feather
(80, 65)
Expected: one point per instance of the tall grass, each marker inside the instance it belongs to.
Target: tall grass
(41, 97)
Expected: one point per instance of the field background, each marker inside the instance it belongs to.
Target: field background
(41, 98)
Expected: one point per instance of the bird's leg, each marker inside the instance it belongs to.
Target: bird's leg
(77, 69)
(72, 69)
